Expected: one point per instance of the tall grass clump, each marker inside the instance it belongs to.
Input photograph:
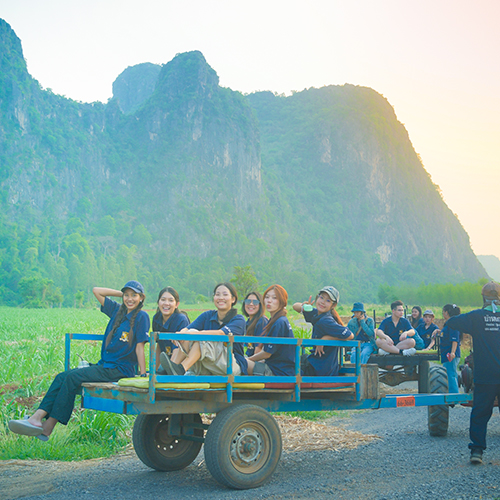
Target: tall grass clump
(89, 434)
(32, 343)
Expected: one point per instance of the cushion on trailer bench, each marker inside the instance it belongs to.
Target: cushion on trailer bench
(283, 385)
(324, 385)
(143, 383)
(308, 385)
(239, 385)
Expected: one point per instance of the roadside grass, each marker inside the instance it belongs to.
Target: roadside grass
(316, 415)
(88, 435)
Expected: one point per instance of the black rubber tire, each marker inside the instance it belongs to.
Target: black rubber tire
(159, 450)
(243, 446)
(438, 415)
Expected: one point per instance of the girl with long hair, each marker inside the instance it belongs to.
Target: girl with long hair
(327, 325)
(168, 318)
(253, 309)
(274, 359)
(449, 346)
(122, 350)
(210, 358)
(416, 319)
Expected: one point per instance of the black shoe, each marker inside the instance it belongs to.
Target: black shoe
(170, 367)
(476, 456)
(161, 371)
(165, 363)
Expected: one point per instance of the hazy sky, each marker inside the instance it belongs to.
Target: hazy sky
(436, 61)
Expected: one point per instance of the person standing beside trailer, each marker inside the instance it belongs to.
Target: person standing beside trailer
(484, 327)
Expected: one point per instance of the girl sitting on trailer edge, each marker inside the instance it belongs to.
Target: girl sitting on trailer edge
(253, 309)
(122, 349)
(327, 325)
(207, 357)
(168, 318)
(274, 359)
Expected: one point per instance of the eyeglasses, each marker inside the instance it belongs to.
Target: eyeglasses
(254, 302)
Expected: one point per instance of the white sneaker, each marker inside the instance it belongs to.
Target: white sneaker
(383, 353)
(409, 352)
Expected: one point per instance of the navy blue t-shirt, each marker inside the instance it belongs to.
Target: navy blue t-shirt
(326, 365)
(282, 360)
(426, 333)
(175, 323)
(420, 322)
(209, 320)
(484, 326)
(448, 335)
(261, 323)
(387, 326)
(119, 353)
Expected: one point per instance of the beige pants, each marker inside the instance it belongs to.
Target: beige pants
(213, 360)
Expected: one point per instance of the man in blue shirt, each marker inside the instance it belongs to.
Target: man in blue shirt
(484, 327)
(395, 333)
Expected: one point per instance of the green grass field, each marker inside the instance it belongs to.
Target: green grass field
(32, 342)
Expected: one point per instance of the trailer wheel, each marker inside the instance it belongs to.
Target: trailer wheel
(243, 446)
(159, 450)
(438, 415)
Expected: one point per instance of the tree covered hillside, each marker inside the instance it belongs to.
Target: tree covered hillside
(176, 180)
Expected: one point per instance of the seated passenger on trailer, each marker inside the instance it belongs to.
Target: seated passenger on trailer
(168, 318)
(427, 329)
(415, 318)
(205, 357)
(363, 328)
(327, 325)
(395, 333)
(253, 309)
(122, 350)
(274, 359)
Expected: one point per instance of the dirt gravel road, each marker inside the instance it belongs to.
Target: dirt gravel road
(405, 464)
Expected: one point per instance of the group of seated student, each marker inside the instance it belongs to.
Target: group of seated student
(123, 346)
(396, 335)
(258, 359)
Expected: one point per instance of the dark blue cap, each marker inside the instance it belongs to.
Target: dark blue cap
(358, 306)
(134, 285)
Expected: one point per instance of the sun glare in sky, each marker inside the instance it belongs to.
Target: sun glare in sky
(434, 60)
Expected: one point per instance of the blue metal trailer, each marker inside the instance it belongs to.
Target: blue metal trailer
(242, 445)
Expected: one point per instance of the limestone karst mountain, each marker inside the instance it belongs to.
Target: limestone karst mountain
(176, 179)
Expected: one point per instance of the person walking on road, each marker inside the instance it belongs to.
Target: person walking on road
(484, 326)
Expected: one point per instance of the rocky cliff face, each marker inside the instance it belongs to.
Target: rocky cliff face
(371, 202)
(177, 179)
(135, 85)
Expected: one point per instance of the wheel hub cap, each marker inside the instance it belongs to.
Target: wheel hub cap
(246, 446)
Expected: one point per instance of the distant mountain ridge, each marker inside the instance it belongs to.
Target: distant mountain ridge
(176, 180)
(492, 265)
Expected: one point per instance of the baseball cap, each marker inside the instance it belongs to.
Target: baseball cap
(428, 312)
(332, 292)
(491, 290)
(133, 285)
